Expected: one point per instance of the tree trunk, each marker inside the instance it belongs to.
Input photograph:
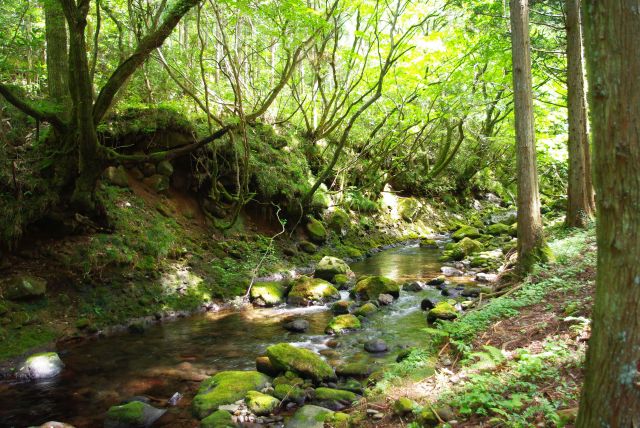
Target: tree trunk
(581, 205)
(611, 392)
(57, 57)
(531, 244)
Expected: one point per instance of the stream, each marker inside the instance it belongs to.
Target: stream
(175, 356)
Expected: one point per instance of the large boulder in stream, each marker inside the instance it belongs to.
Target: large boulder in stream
(442, 311)
(134, 414)
(305, 363)
(43, 365)
(329, 267)
(268, 293)
(371, 287)
(466, 232)
(308, 291)
(226, 388)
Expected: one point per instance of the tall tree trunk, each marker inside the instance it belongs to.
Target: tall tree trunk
(57, 56)
(531, 243)
(581, 204)
(611, 392)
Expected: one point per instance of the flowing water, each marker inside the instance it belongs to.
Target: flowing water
(176, 356)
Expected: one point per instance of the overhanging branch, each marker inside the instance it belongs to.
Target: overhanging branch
(31, 110)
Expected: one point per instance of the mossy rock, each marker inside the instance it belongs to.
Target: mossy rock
(308, 247)
(466, 232)
(23, 287)
(359, 370)
(442, 311)
(43, 365)
(268, 293)
(499, 229)
(316, 231)
(334, 399)
(134, 414)
(371, 287)
(226, 388)
(513, 230)
(469, 246)
(353, 252)
(305, 363)
(264, 365)
(338, 220)
(286, 392)
(218, 419)
(328, 267)
(408, 209)
(342, 307)
(366, 309)
(428, 243)
(403, 406)
(310, 416)
(343, 323)
(117, 176)
(307, 291)
(261, 404)
(342, 281)
(427, 417)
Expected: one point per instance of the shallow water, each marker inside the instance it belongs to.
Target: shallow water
(175, 356)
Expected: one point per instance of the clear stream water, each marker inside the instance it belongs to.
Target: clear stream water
(175, 356)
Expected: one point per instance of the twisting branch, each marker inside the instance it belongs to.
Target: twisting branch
(31, 110)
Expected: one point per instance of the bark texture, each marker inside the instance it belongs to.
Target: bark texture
(57, 56)
(611, 392)
(531, 244)
(580, 204)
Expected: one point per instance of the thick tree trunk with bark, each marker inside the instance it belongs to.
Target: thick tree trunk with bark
(611, 392)
(581, 204)
(531, 243)
(57, 57)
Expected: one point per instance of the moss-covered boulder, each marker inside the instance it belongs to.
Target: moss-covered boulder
(426, 417)
(21, 287)
(429, 243)
(43, 365)
(308, 291)
(442, 311)
(403, 406)
(358, 370)
(334, 399)
(261, 404)
(117, 176)
(343, 281)
(268, 293)
(460, 250)
(366, 309)
(338, 221)
(226, 388)
(328, 267)
(287, 392)
(218, 419)
(466, 232)
(499, 229)
(343, 323)
(316, 231)
(308, 247)
(134, 414)
(305, 363)
(408, 208)
(371, 287)
(310, 416)
(264, 365)
(342, 307)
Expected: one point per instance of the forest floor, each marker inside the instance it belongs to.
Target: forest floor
(514, 362)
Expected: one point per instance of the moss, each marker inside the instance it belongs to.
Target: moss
(226, 388)
(465, 232)
(307, 290)
(328, 267)
(310, 416)
(341, 281)
(371, 287)
(358, 370)
(308, 247)
(261, 404)
(408, 209)
(366, 309)
(218, 419)
(338, 220)
(130, 414)
(343, 323)
(353, 252)
(442, 311)
(499, 229)
(17, 341)
(428, 243)
(427, 417)
(540, 254)
(268, 293)
(301, 361)
(330, 394)
(289, 392)
(316, 231)
(403, 406)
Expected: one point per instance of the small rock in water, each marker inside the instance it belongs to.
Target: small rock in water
(486, 277)
(413, 286)
(174, 399)
(449, 271)
(42, 366)
(427, 304)
(132, 415)
(437, 281)
(298, 325)
(385, 299)
(375, 346)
